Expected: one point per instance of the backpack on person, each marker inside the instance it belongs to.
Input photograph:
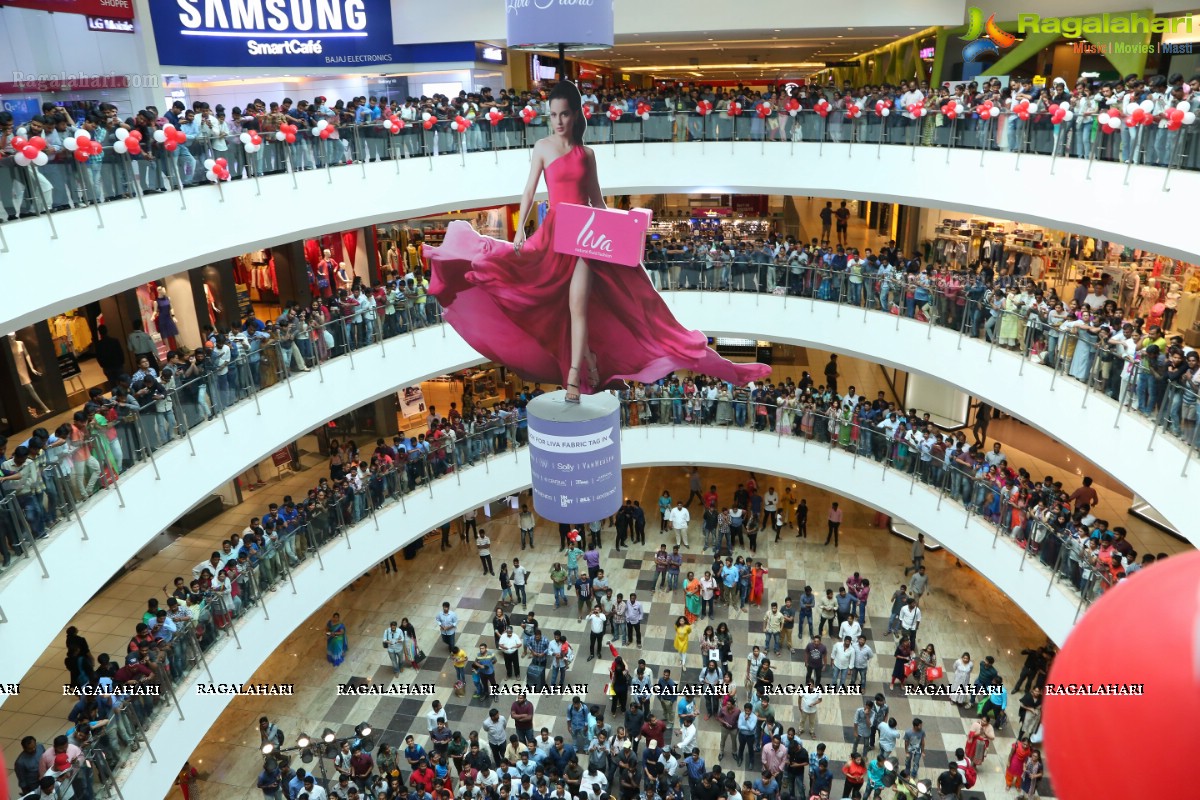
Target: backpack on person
(969, 775)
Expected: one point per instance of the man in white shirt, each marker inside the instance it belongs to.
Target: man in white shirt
(593, 783)
(687, 734)
(679, 519)
(910, 620)
(596, 622)
(842, 658)
(994, 456)
(912, 125)
(314, 791)
(509, 645)
(519, 576)
(850, 629)
(809, 701)
(434, 714)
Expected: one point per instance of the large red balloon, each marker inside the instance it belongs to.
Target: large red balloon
(1144, 633)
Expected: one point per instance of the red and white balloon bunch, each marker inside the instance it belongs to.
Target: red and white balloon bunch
(764, 110)
(1179, 116)
(528, 114)
(735, 108)
(614, 112)
(251, 141)
(918, 110)
(460, 124)
(127, 142)
(1021, 109)
(394, 124)
(704, 108)
(84, 146)
(853, 111)
(951, 109)
(170, 137)
(882, 108)
(428, 121)
(643, 110)
(1059, 113)
(30, 151)
(286, 133)
(792, 106)
(986, 110)
(323, 129)
(495, 116)
(822, 107)
(217, 169)
(587, 111)
(1109, 123)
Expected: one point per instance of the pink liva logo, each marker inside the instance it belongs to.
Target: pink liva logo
(590, 240)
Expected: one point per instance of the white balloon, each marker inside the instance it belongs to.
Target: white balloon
(1068, 116)
(121, 133)
(767, 106)
(1114, 122)
(883, 112)
(316, 131)
(70, 144)
(426, 116)
(160, 136)
(23, 132)
(244, 138)
(793, 112)
(21, 160)
(924, 111)
(1189, 117)
(253, 148)
(209, 163)
(280, 136)
(1103, 119)
(958, 108)
(41, 159)
(322, 124)
(212, 176)
(83, 134)
(120, 147)
(646, 116)
(1147, 106)
(1184, 106)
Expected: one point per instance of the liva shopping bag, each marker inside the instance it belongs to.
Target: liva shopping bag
(601, 234)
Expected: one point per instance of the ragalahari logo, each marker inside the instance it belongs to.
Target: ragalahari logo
(984, 38)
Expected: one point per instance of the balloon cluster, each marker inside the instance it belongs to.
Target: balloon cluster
(461, 124)
(323, 129)
(1059, 112)
(528, 114)
(735, 108)
(217, 169)
(30, 151)
(251, 140)
(84, 146)
(1109, 123)
(952, 109)
(704, 108)
(587, 112)
(170, 137)
(917, 110)
(495, 115)
(822, 107)
(1140, 113)
(792, 106)
(394, 124)
(986, 110)
(764, 110)
(286, 133)
(428, 121)
(1022, 110)
(127, 142)
(1179, 116)
(853, 111)
(883, 108)
(615, 112)
(643, 111)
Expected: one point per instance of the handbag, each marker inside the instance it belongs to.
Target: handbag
(910, 667)
(418, 658)
(934, 673)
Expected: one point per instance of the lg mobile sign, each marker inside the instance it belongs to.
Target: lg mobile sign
(278, 33)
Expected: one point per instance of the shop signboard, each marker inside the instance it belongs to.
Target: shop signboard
(22, 108)
(575, 455)
(352, 34)
(110, 25)
(115, 9)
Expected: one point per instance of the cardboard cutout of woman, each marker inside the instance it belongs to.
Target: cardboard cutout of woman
(557, 318)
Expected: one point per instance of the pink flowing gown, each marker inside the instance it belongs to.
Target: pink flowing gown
(513, 307)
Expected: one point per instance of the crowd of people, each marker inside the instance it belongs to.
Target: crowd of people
(359, 127)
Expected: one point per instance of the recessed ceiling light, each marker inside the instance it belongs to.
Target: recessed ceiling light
(840, 36)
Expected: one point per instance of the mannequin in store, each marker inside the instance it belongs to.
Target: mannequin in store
(26, 372)
(324, 270)
(164, 319)
(341, 277)
(1172, 306)
(210, 303)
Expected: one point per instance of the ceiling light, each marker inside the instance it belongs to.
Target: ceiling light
(303, 740)
(363, 729)
(268, 748)
(777, 30)
(328, 736)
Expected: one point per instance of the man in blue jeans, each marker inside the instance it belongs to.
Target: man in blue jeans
(1151, 372)
(23, 473)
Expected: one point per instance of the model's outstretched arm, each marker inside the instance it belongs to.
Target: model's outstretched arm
(536, 166)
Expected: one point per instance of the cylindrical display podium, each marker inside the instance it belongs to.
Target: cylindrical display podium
(575, 455)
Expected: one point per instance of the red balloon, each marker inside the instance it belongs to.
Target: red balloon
(132, 147)
(29, 151)
(81, 156)
(222, 163)
(291, 138)
(1164, 665)
(135, 135)
(429, 123)
(38, 142)
(19, 142)
(171, 145)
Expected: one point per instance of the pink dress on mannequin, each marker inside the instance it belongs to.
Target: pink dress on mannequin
(512, 307)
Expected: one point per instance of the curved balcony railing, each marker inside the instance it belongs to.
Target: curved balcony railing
(1051, 577)
(65, 183)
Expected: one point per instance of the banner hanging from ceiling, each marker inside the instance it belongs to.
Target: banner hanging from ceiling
(546, 24)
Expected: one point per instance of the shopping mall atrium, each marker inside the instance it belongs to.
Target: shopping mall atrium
(843, 378)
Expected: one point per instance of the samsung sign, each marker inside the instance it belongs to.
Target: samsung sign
(286, 33)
